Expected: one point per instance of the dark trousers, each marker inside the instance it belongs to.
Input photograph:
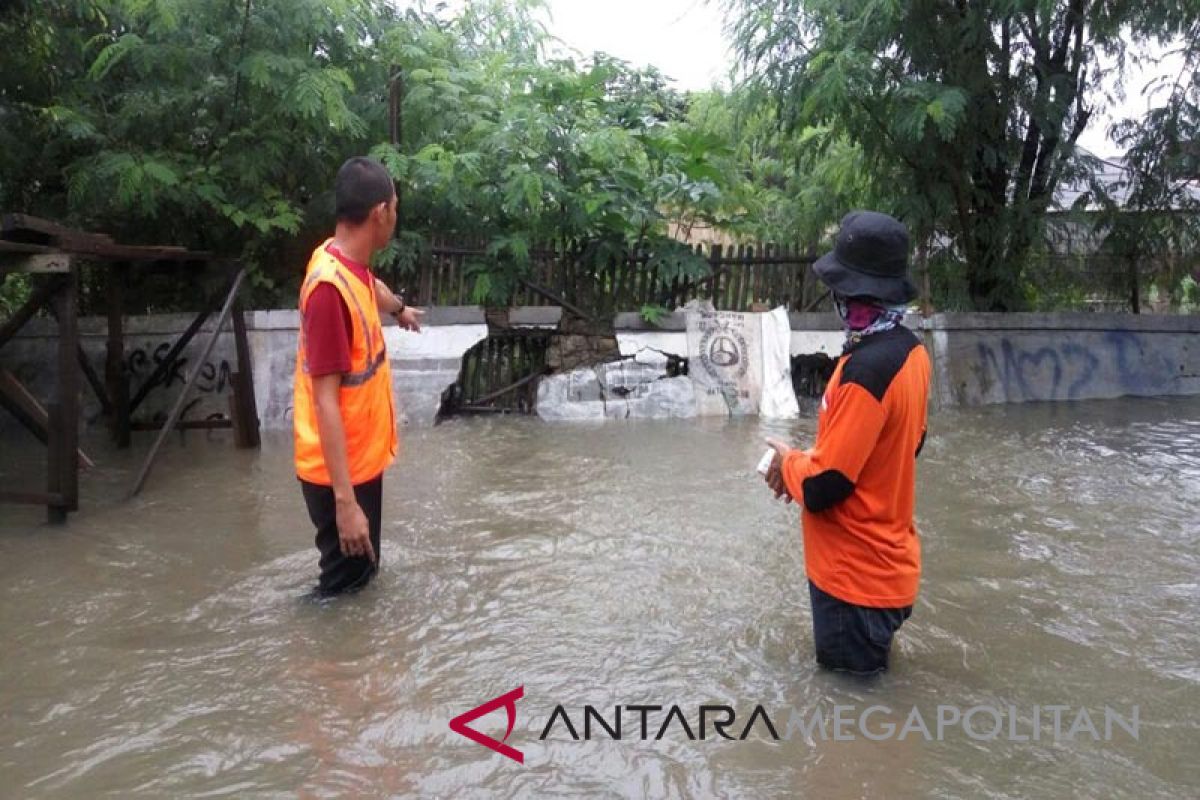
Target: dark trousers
(853, 638)
(339, 572)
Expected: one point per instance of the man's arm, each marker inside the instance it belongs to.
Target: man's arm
(825, 475)
(354, 534)
(389, 303)
(386, 299)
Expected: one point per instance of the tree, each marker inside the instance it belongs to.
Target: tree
(978, 105)
(500, 140)
(788, 187)
(1154, 211)
(220, 125)
(212, 125)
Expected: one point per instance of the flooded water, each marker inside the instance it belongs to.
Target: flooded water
(165, 647)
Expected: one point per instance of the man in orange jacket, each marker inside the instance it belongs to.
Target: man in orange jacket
(856, 484)
(343, 409)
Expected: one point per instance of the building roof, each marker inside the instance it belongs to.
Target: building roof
(1113, 175)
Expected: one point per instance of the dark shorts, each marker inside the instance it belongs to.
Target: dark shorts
(341, 573)
(853, 638)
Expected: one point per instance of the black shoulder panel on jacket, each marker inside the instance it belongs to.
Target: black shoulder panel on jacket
(874, 362)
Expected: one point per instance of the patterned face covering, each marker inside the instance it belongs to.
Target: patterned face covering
(862, 317)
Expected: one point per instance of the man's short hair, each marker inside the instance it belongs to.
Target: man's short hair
(362, 183)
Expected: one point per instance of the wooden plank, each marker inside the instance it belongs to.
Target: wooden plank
(425, 267)
(104, 251)
(736, 278)
(94, 381)
(48, 499)
(25, 248)
(29, 412)
(718, 277)
(574, 309)
(89, 372)
(25, 223)
(13, 403)
(36, 300)
(173, 417)
(116, 377)
(246, 416)
(187, 425)
(512, 387)
(38, 264)
(63, 414)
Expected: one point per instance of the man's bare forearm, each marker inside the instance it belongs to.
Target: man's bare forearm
(386, 300)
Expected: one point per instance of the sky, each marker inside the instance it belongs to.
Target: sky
(685, 40)
(682, 38)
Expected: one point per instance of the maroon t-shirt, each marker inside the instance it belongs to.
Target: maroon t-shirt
(328, 327)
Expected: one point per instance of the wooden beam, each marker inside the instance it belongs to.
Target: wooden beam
(116, 376)
(28, 411)
(25, 313)
(169, 360)
(63, 417)
(244, 406)
(24, 223)
(92, 378)
(173, 417)
(31, 498)
(186, 425)
(487, 398)
(552, 297)
(41, 263)
(25, 248)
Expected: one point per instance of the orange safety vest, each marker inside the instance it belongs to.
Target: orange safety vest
(365, 397)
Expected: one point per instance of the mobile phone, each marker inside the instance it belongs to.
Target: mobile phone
(764, 463)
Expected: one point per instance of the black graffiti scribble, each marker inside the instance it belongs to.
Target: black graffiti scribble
(212, 379)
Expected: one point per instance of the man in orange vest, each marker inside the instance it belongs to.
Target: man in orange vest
(343, 411)
(857, 483)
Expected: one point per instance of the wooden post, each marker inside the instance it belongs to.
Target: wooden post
(424, 287)
(1135, 299)
(63, 452)
(116, 377)
(715, 263)
(246, 423)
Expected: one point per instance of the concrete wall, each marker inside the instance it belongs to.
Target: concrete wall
(978, 358)
(811, 333)
(1016, 358)
(423, 364)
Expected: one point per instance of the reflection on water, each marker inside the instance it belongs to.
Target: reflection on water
(163, 647)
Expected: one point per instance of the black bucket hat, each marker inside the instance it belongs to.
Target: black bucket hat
(869, 259)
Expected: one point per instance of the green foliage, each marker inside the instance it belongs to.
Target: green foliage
(1189, 295)
(14, 291)
(211, 125)
(783, 186)
(973, 108)
(220, 125)
(653, 314)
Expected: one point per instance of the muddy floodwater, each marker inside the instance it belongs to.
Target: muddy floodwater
(166, 646)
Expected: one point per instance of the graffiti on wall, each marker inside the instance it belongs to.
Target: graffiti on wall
(1113, 362)
(214, 376)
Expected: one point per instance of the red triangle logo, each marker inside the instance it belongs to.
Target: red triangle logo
(509, 701)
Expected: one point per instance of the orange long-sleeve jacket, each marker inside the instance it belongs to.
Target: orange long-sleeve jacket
(857, 483)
